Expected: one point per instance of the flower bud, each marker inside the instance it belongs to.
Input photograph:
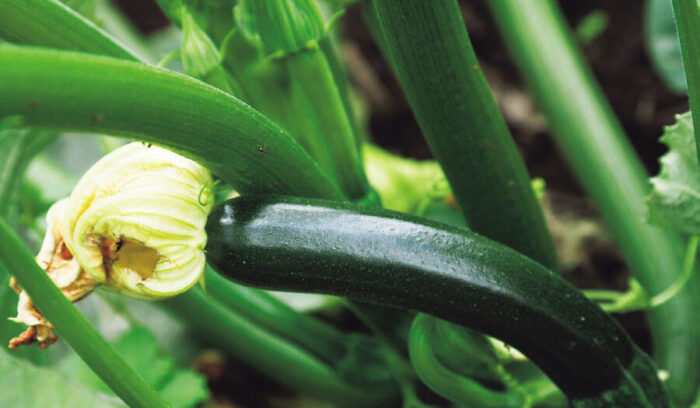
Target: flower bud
(281, 26)
(134, 224)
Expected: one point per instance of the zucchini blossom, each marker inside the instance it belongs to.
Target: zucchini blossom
(133, 224)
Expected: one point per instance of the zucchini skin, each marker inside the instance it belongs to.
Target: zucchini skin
(384, 257)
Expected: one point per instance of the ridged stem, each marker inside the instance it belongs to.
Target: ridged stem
(311, 70)
(432, 55)
(71, 91)
(605, 162)
(687, 13)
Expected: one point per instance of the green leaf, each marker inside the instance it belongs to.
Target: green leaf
(139, 348)
(85, 8)
(51, 23)
(675, 198)
(25, 385)
(663, 45)
(591, 26)
(185, 388)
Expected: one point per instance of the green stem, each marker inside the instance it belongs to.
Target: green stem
(594, 142)
(688, 270)
(277, 358)
(329, 47)
(73, 326)
(80, 92)
(437, 68)
(687, 14)
(277, 317)
(311, 70)
(458, 389)
(49, 23)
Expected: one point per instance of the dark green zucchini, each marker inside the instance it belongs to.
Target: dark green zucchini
(380, 256)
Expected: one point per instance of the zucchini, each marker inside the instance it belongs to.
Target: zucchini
(384, 257)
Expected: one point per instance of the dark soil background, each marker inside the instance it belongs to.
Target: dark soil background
(619, 60)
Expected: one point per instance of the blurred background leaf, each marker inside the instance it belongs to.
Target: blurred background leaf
(25, 385)
(663, 45)
(183, 388)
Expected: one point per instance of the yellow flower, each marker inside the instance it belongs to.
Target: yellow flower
(134, 224)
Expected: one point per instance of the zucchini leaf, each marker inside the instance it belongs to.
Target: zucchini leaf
(25, 385)
(675, 198)
(663, 45)
(183, 388)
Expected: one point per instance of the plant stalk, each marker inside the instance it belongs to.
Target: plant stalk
(687, 13)
(311, 70)
(431, 53)
(71, 91)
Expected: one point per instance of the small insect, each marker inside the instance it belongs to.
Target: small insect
(262, 149)
(148, 145)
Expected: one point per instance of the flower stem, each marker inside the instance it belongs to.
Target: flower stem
(73, 326)
(311, 70)
(123, 98)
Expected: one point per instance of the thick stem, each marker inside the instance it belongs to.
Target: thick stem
(72, 91)
(602, 157)
(436, 65)
(72, 326)
(311, 70)
(687, 14)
